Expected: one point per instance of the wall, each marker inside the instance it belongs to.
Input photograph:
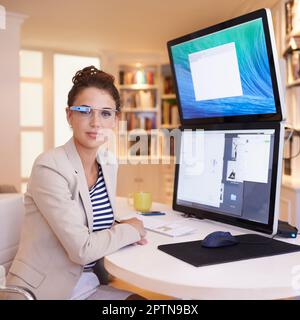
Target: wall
(9, 103)
(111, 60)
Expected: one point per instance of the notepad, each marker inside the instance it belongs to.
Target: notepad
(172, 229)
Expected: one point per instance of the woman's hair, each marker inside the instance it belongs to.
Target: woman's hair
(92, 77)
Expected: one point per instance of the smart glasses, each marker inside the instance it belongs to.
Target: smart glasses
(86, 112)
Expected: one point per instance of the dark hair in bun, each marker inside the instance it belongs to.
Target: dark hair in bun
(92, 77)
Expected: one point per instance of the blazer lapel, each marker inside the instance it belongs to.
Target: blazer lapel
(83, 186)
(109, 173)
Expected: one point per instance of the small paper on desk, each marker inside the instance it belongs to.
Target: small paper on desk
(168, 228)
(172, 229)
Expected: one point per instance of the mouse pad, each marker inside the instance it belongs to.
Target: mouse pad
(250, 246)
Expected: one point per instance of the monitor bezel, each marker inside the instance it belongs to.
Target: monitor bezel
(273, 64)
(271, 227)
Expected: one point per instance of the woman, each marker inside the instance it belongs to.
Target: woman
(70, 201)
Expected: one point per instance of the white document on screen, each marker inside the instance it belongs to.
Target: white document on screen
(252, 167)
(204, 186)
(215, 73)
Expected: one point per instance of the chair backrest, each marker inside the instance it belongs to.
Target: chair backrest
(11, 218)
(7, 188)
(2, 276)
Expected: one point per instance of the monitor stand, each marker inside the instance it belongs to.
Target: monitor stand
(191, 215)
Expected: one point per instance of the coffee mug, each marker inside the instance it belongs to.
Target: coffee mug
(141, 201)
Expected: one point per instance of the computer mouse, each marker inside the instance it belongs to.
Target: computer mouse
(219, 239)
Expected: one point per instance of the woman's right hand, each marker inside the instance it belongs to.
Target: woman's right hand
(137, 224)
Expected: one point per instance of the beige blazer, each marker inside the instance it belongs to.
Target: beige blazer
(57, 238)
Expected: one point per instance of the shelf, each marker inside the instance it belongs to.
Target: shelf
(138, 87)
(148, 159)
(170, 126)
(169, 96)
(140, 110)
(293, 84)
(140, 131)
(292, 34)
(139, 159)
(165, 159)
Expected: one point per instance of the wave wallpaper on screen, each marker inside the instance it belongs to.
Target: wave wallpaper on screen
(254, 71)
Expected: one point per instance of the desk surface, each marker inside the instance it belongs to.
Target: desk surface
(151, 269)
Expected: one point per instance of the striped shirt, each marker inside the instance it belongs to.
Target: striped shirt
(103, 217)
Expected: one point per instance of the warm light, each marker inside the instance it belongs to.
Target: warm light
(138, 64)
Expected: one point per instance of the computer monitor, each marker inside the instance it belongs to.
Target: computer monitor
(228, 72)
(231, 173)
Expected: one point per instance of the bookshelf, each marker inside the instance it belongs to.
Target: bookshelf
(148, 102)
(292, 42)
(286, 21)
(169, 107)
(139, 92)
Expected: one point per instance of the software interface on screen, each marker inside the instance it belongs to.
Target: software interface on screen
(225, 73)
(227, 172)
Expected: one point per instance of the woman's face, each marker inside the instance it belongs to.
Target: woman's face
(88, 130)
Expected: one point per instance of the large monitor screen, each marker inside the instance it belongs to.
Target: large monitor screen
(230, 174)
(228, 72)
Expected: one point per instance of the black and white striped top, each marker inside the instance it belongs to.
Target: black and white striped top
(103, 216)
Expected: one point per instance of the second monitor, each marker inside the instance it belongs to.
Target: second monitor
(228, 72)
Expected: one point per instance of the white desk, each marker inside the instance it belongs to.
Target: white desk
(151, 269)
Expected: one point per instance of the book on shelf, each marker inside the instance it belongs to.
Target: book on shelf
(174, 115)
(121, 77)
(128, 99)
(293, 66)
(292, 17)
(128, 77)
(168, 85)
(144, 99)
(165, 112)
(138, 120)
(170, 115)
(150, 77)
(289, 16)
(132, 121)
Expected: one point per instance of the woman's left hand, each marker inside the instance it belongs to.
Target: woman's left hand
(142, 241)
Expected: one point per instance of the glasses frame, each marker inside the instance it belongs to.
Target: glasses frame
(88, 109)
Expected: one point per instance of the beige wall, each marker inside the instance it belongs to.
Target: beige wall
(9, 101)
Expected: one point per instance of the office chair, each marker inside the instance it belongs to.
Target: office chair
(11, 217)
(26, 293)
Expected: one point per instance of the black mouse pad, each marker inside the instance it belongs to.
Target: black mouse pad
(250, 246)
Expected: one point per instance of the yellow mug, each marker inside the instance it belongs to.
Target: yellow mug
(141, 201)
